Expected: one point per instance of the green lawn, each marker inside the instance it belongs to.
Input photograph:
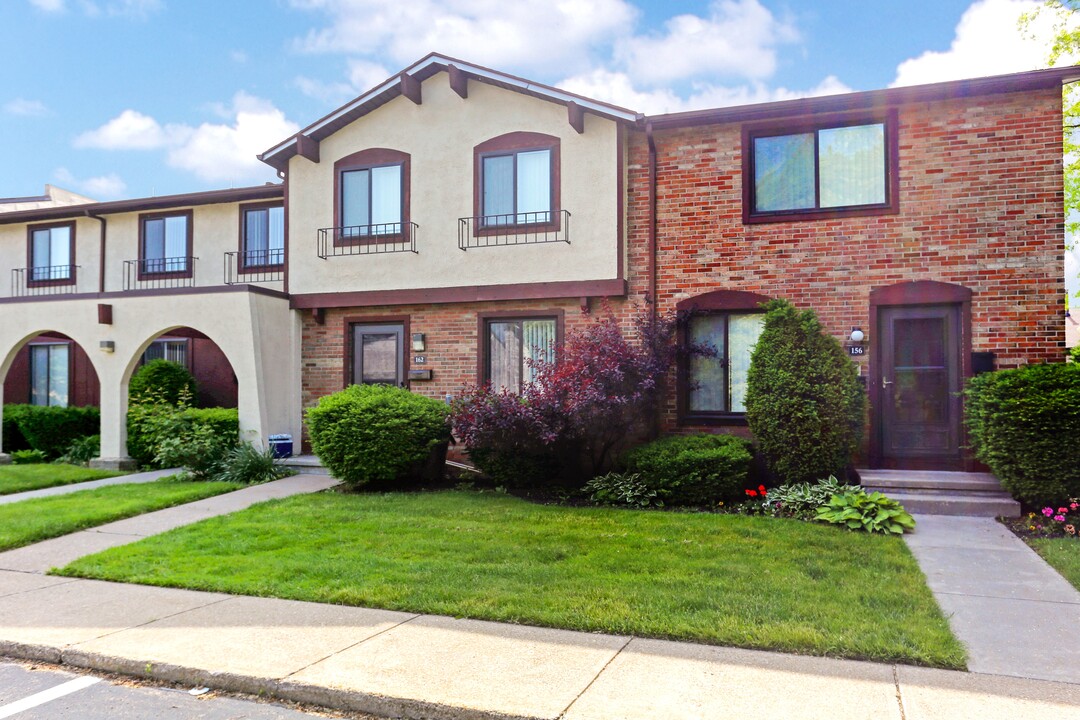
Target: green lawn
(1063, 554)
(29, 521)
(20, 478)
(723, 579)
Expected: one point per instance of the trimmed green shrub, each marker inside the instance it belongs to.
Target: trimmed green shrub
(164, 381)
(693, 469)
(27, 457)
(82, 451)
(1024, 424)
(871, 513)
(377, 433)
(52, 430)
(13, 438)
(246, 463)
(151, 424)
(198, 449)
(804, 402)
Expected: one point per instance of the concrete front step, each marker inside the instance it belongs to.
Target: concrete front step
(306, 464)
(923, 480)
(936, 503)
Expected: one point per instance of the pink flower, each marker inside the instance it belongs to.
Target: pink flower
(1059, 518)
(1074, 506)
(1062, 511)
(1048, 511)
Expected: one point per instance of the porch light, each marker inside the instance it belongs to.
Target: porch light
(418, 342)
(857, 335)
(107, 346)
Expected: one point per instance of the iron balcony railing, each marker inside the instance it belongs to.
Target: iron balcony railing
(159, 273)
(49, 280)
(514, 229)
(251, 266)
(367, 239)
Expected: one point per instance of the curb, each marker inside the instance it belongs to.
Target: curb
(315, 695)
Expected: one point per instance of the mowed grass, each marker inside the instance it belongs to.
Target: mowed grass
(722, 579)
(30, 521)
(1063, 554)
(20, 478)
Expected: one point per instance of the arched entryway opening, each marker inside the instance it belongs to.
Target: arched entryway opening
(216, 380)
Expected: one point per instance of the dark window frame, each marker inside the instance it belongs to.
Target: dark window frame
(751, 132)
(370, 159)
(511, 144)
(188, 353)
(30, 230)
(242, 266)
(717, 302)
(70, 345)
(189, 270)
(483, 342)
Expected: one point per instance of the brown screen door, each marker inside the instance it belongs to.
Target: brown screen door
(378, 354)
(919, 406)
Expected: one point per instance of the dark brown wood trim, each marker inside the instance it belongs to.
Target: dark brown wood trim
(347, 355)
(919, 292)
(30, 229)
(189, 271)
(463, 294)
(576, 116)
(120, 294)
(366, 160)
(242, 267)
(104, 314)
(515, 142)
(459, 80)
(307, 147)
(720, 302)
(411, 88)
(482, 319)
(891, 206)
(285, 202)
(620, 202)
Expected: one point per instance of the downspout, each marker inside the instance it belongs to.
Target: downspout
(101, 258)
(651, 296)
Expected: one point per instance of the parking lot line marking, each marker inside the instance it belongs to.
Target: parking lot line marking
(49, 695)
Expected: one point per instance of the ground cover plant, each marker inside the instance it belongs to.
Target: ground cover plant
(20, 478)
(725, 579)
(1063, 554)
(1054, 533)
(30, 521)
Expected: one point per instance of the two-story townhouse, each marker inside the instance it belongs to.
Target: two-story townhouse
(449, 224)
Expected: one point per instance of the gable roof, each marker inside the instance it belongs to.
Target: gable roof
(278, 156)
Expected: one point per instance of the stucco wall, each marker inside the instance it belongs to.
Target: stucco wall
(440, 135)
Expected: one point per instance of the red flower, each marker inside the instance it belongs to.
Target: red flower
(752, 493)
(761, 489)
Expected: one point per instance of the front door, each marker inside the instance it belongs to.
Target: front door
(378, 354)
(919, 406)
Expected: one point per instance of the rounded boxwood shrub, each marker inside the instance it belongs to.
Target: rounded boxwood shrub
(692, 469)
(377, 433)
(162, 381)
(1024, 424)
(804, 402)
(51, 430)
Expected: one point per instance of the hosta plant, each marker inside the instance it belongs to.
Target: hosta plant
(622, 489)
(803, 500)
(872, 512)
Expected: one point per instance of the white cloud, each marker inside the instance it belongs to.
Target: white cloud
(738, 37)
(25, 108)
(131, 130)
(101, 187)
(139, 9)
(987, 42)
(533, 35)
(214, 152)
(328, 93)
(618, 88)
(53, 6)
(238, 56)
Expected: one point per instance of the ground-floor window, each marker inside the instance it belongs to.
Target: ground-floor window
(172, 350)
(716, 384)
(510, 346)
(49, 374)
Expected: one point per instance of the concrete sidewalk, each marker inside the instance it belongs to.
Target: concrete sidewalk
(142, 477)
(422, 666)
(42, 556)
(1016, 614)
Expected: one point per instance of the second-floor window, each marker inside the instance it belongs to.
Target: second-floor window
(262, 235)
(372, 195)
(823, 169)
(517, 180)
(165, 244)
(51, 251)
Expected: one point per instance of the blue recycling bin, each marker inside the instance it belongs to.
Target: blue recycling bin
(281, 445)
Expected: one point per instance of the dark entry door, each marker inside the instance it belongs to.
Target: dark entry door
(378, 354)
(919, 404)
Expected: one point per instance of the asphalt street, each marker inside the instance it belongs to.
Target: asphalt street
(29, 692)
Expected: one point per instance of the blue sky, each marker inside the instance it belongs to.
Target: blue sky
(131, 98)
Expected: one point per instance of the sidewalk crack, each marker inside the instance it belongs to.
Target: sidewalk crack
(899, 694)
(596, 677)
(148, 622)
(350, 647)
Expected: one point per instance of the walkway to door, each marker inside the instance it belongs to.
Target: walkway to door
(1013, 611)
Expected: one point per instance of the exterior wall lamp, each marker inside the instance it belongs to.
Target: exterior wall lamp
(107, 346)
(857, 335)
(418, 342)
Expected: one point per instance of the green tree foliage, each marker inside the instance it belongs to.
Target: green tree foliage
(804, 402)
(164, 380)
